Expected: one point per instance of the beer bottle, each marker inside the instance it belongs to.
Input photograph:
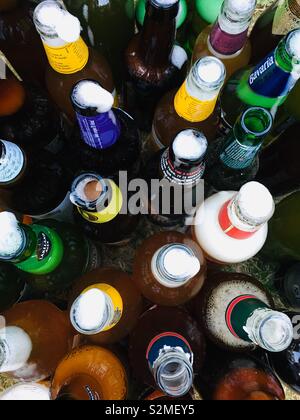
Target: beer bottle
(38, 183)
(53, 254)
(20, 42)
(152, 69)
(286, 363)
(98, 18)
(279, 168)
(227, 39)
(169, 269)
(174, 178)
(28, 118)
(166, 350)
(105, 306)
(192, 106)
(12, 286)
(283, 242)
(99, 205)
(30, 391)
(70, 60)
(181, 19)
(36, 336)
(107, 138)
(234, 160)
(89, 373)
(276, 22)
(228, 376)
(266, 85)
(204, 14)
(236, 313)
(232, 227)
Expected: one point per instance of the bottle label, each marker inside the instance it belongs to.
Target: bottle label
(68, 59)
(48, 253)
(239, 311)
(287, 17)
(165, 342)
(178, 176)
(192, 109)
(239, 156)
(116, 300)
(62, 213)
(268, 85)
(11, 162)
(225, 43)
(101, 131)
(108, 213)
(229, 228)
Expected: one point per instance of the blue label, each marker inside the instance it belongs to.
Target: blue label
(101, 131)
(164, 342)
(269, 80)
(238, 156)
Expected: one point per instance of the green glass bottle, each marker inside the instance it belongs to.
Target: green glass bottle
(52, 254)
(234, 161)
(12, 286)
(266, 85)
(108, 26)
(205, 13)
(283, 242)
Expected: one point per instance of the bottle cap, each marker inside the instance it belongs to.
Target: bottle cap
(89, 312)
(190, 146)
(255, 204)
(12, 237)
(88, 94)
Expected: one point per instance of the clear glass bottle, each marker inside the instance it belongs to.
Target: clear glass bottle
(192, 106)
(232, 227)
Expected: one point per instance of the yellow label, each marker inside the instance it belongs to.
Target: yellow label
(193, 109)
(68, 59)
(286, 17)
(116, 300)
(110, 212)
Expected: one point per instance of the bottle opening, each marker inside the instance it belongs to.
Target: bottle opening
(257, 121)
(12, 238)
(89, 191)
(293, 44)
(89, 94)
(209, 72)
(175, 377)
(190, 145)
(276, 332)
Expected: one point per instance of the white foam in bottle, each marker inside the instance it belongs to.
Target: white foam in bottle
(26, 392)
(15, 349)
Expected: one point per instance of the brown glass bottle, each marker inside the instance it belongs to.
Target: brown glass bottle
(38, 335)
(148, 59)
(193, 106)
(169, 269)
(19, 41)
(89, 373)
(122, 305)
(166, 349)
(70, 60)
(277, 21)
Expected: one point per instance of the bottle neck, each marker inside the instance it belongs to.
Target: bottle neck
(12, 162)
(252, 320)
(171, 362)
(15, 349)
(230, 33)
(175, 265)
(158, 34)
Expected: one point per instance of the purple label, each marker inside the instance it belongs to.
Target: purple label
(101, 131)
(227, 44)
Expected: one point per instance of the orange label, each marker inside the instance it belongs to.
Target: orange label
(193, 109)
(68, 59)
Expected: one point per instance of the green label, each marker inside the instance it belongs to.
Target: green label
(239, 156)
(48, 252)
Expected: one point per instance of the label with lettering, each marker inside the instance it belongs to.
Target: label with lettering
(100, 131)
(239, 156)
(178, 176)
(192, 109)
(164, 342)
(108, 213)
(228, 227)
(68, 59)
(11, 162)
(287, 17)
(116, 300)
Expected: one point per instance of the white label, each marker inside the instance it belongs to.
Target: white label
(62, 213)
(11, 162)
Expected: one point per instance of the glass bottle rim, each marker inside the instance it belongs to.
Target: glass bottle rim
(265, 114)
(204, 84)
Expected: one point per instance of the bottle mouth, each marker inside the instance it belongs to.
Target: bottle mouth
(257, 122)
(293, 45)
(89, 191)
(89, 95)
(238, 11)
(209, 73)
(190, 146)
(276, 332)
(175, 376)
(164, 4)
